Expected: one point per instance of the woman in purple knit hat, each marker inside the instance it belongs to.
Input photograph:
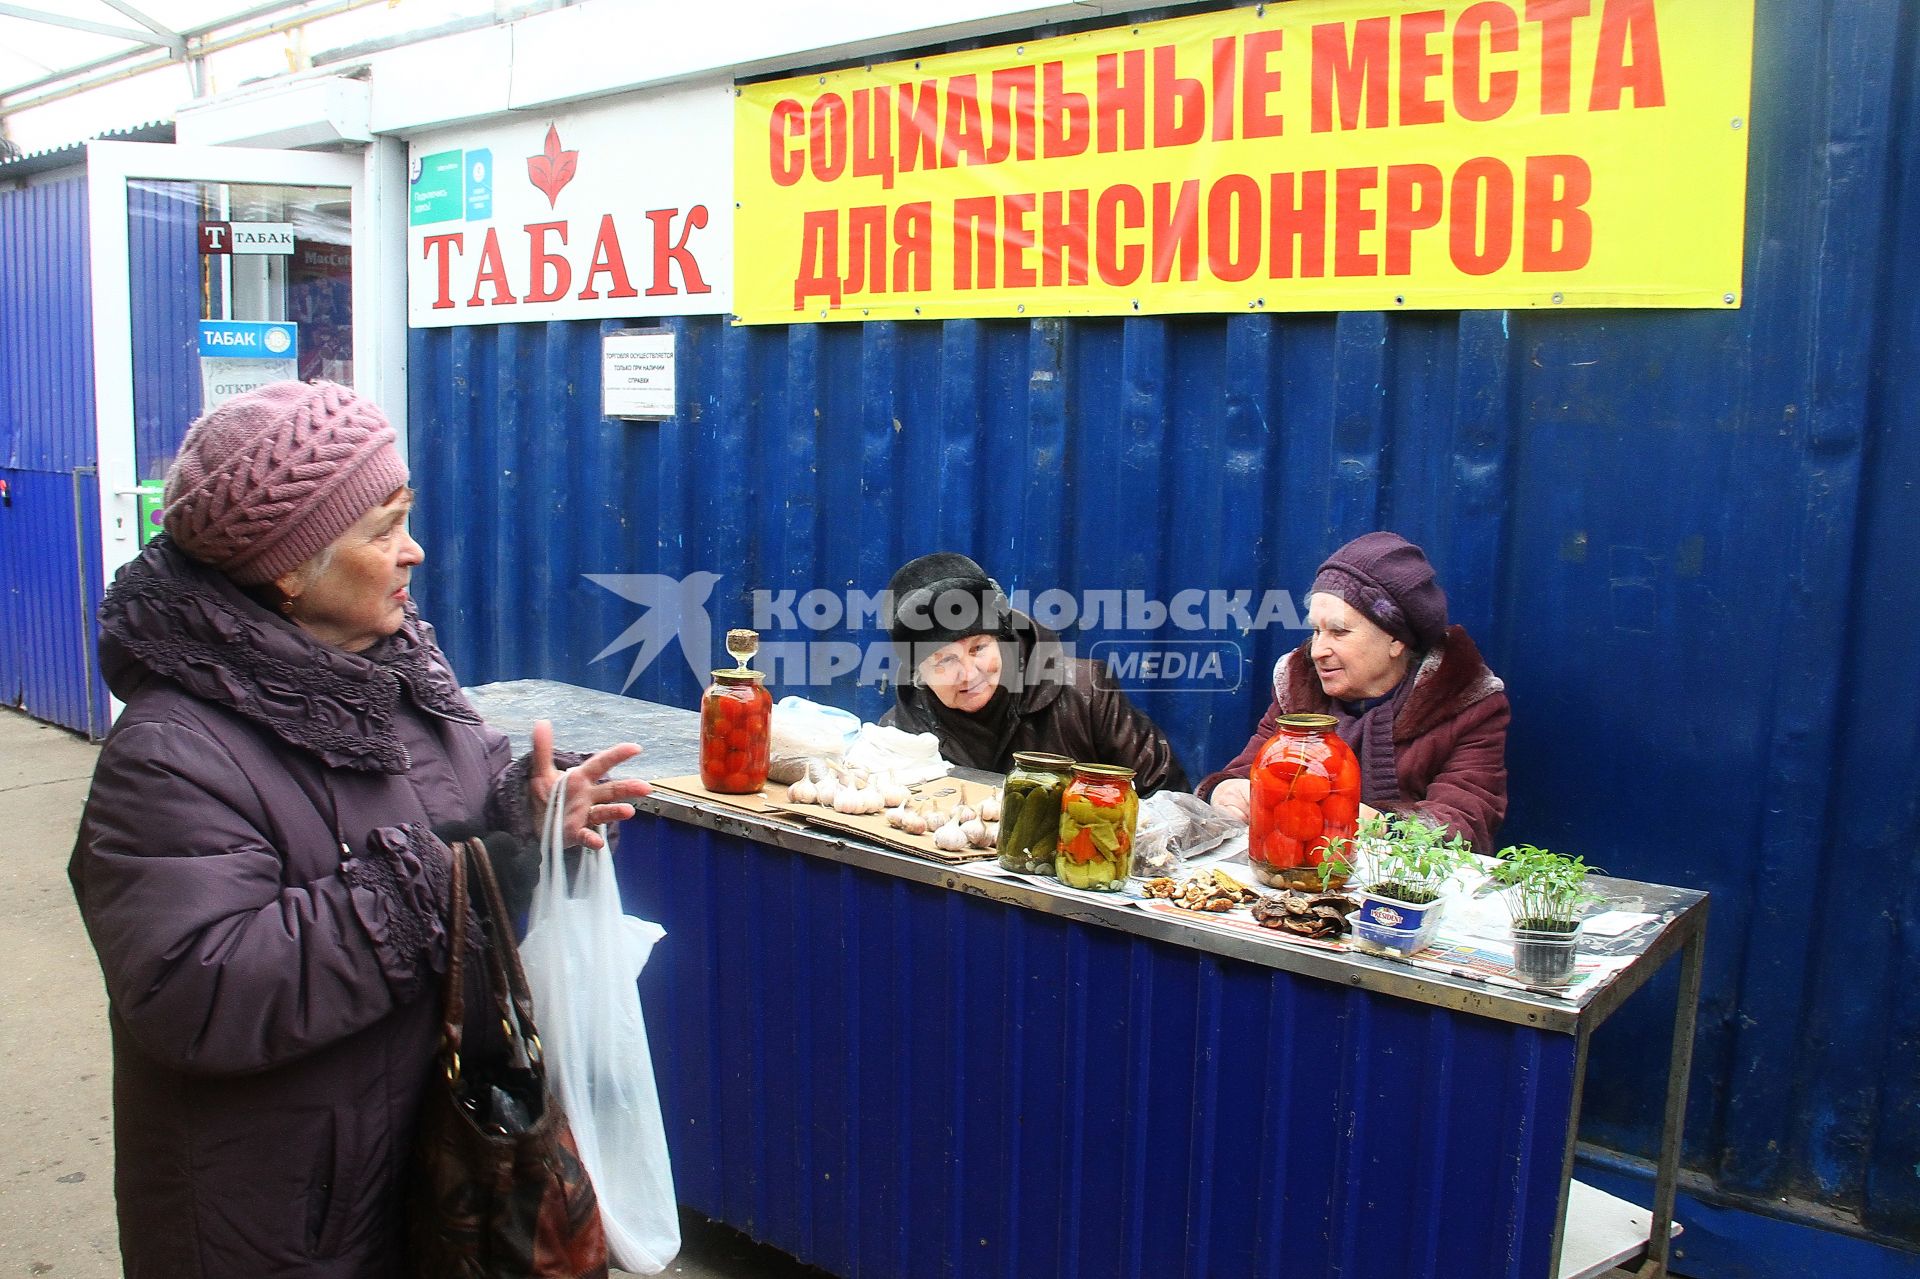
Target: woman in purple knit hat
(261, 864)
(1411, 694)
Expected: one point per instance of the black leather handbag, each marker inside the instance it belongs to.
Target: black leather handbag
(497, 1189)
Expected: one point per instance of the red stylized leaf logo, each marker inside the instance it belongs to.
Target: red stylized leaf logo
(553, 168)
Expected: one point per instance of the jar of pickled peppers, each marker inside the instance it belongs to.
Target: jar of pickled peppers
(736, 723)
(1030, 811)
(1098, 813)
(1306, 794)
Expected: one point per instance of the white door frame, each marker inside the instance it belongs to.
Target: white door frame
(378, 290)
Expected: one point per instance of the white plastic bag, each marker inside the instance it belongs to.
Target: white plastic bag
(908, 758)
(803, 729)
(582, 955)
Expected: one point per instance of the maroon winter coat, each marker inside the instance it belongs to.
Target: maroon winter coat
(1449, 739)
(257, 874)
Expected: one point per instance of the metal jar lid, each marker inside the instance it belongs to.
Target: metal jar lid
(734, 675)
(1115, 771)
(1309, 723)
(1042, 761)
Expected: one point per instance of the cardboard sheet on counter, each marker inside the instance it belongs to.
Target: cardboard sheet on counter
(761, 804)
(873, 826)
(771, 801)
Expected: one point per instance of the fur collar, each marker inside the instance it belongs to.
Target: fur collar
(1449, 679)
(169, 617)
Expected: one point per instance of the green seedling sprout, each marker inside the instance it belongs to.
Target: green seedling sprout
(1545, 890)
(1410, 859)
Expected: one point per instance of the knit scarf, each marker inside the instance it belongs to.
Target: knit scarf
(1367, 726)
(977, 739)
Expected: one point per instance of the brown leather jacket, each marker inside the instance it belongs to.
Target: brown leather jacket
(1066, 706)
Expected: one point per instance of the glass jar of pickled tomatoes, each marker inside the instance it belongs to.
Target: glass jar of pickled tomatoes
(736, 722)
(1306, 793)
(1098, 813)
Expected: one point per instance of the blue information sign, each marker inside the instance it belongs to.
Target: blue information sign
(249, 340)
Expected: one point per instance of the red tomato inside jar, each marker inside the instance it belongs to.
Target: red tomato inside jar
(736, 721)
(1306, 794)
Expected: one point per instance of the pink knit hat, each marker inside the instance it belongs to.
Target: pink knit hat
(269, 479)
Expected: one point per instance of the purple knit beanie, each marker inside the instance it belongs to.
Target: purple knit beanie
(269, 479)
(1388, 578)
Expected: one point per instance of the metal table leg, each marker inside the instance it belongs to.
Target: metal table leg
(1667, 1180)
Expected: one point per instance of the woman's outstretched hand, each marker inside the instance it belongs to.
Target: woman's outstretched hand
(592, 800)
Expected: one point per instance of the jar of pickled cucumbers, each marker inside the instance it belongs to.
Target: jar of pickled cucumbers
(1098, 813)
(736, 728)
(1306, 802)
(1030, 811)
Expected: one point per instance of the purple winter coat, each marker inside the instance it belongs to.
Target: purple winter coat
(256, 871)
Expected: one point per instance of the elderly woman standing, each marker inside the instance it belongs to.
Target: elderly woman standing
(1410, 693)
(256, 865)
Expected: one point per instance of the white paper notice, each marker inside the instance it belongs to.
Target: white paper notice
(637, 375)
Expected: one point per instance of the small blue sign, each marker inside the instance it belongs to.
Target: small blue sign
(249, 340)
(479, 185)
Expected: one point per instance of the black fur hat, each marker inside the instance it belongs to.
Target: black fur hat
(943, 597)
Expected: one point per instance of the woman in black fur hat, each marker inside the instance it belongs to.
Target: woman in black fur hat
(989, 681)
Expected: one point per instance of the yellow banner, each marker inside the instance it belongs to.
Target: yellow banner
(1320, 155)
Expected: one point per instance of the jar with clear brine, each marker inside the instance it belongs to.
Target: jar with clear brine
(1306, 802)
(736, 729)
(1030, 811)
(1098, 814)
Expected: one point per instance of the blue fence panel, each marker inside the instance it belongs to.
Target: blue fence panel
(46, 334)
(48, 521)
(889, 1079)
(48, 670)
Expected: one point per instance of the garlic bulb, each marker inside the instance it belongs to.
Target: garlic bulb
(976, 832)
(993, 833)
(897, 818)
(893, 794)
(913, 823)
(964, 814)
(803, 792)
(990, 808)
(847, 800)
(950, 838)
(825, 793)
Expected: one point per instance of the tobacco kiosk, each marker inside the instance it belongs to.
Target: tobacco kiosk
(887, 1066)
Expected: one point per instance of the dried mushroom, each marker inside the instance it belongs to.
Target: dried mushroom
(1215, 892)
(1322, 915)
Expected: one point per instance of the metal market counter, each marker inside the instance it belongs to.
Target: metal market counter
(886, 1066)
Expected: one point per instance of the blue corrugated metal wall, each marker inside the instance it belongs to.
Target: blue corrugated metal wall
(1090, 1104)
(46, 335)
(163, 260)
(49, 532)
(49, 538)
(1684, 538)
